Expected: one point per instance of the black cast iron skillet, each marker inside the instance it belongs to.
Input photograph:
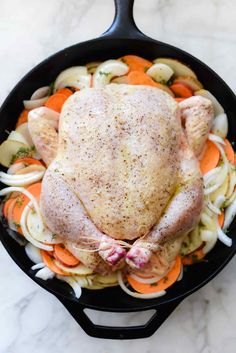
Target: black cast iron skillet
(123, 37)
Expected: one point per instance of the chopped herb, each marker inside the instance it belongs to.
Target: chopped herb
(56, 170)
(104, 73)
(19, 201)
(154, 284)
(51, 88)
(162, 82)
(22, 153)
(16, 224)
(165, 279)
(53, 236)
(123, 60)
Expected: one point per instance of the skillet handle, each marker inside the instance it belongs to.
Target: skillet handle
(123, 25)
(116, 332)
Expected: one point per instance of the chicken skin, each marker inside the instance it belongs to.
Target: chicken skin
(122, 167)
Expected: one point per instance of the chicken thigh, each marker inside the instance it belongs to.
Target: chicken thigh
(123, 167)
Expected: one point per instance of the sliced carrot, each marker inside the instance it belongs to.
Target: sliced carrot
(162, 284)
(140, 78)
(22, 201)
(229, 151)
(181, 90)
(136, 63)
(66, 91)
(210, 158)
(56, 101)
(221, 219)
(63, 255)
(28, 161)
(48, 259)
(194, 257)
(178, 100)
(6, 206)
(23, 117)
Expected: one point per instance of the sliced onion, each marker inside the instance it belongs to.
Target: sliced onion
(230, 213)
(135, 294)
(22, 179)
(38, 266)
(76, 76)
(36, 103)
(206, 235)
(17, 136)
(73, 283)
(181, 275)
(80, 270)
(210, 244)
(31, 168)
(33, 253)
(160, 72)
(107, 70)
(216, 138)
(24, 131)
(15, 168)
(45, 274)
(223, 237)
(10, 219)
(220, 125)
(45, 236)
(26, 233)
(40, 93)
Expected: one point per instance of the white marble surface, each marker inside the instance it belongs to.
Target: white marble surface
(31, 320)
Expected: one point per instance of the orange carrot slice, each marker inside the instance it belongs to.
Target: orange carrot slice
(6, 206)
(229, 151)
(192, 258)
(28, 161)
(210, 158)
(136, 63)
(23, 117)
(221, 219)
(162, 284)
(66, 91)
(140, 78)
(48, 259)
(181, 90)
(22, 201)
(63, 255)
(178, 100)
(56, 101)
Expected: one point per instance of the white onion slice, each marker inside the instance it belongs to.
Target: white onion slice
(21, 179)
(36, 103)
(45, 274)
(206, 235)
(80, 270)
(215, 138)
(38, 266)
(220, 125)
(76, 76)
(17, 136)
(44, 236)
(230, 214)
(135, 294)
(40, 93)
(24, 131)
(160, 72)
(73, 283)
(223, 237)
(107, 70)
(26, 233)
(33, 253)
(181, 274)
(15, 168)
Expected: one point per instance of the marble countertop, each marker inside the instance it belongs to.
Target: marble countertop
(31, 320)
